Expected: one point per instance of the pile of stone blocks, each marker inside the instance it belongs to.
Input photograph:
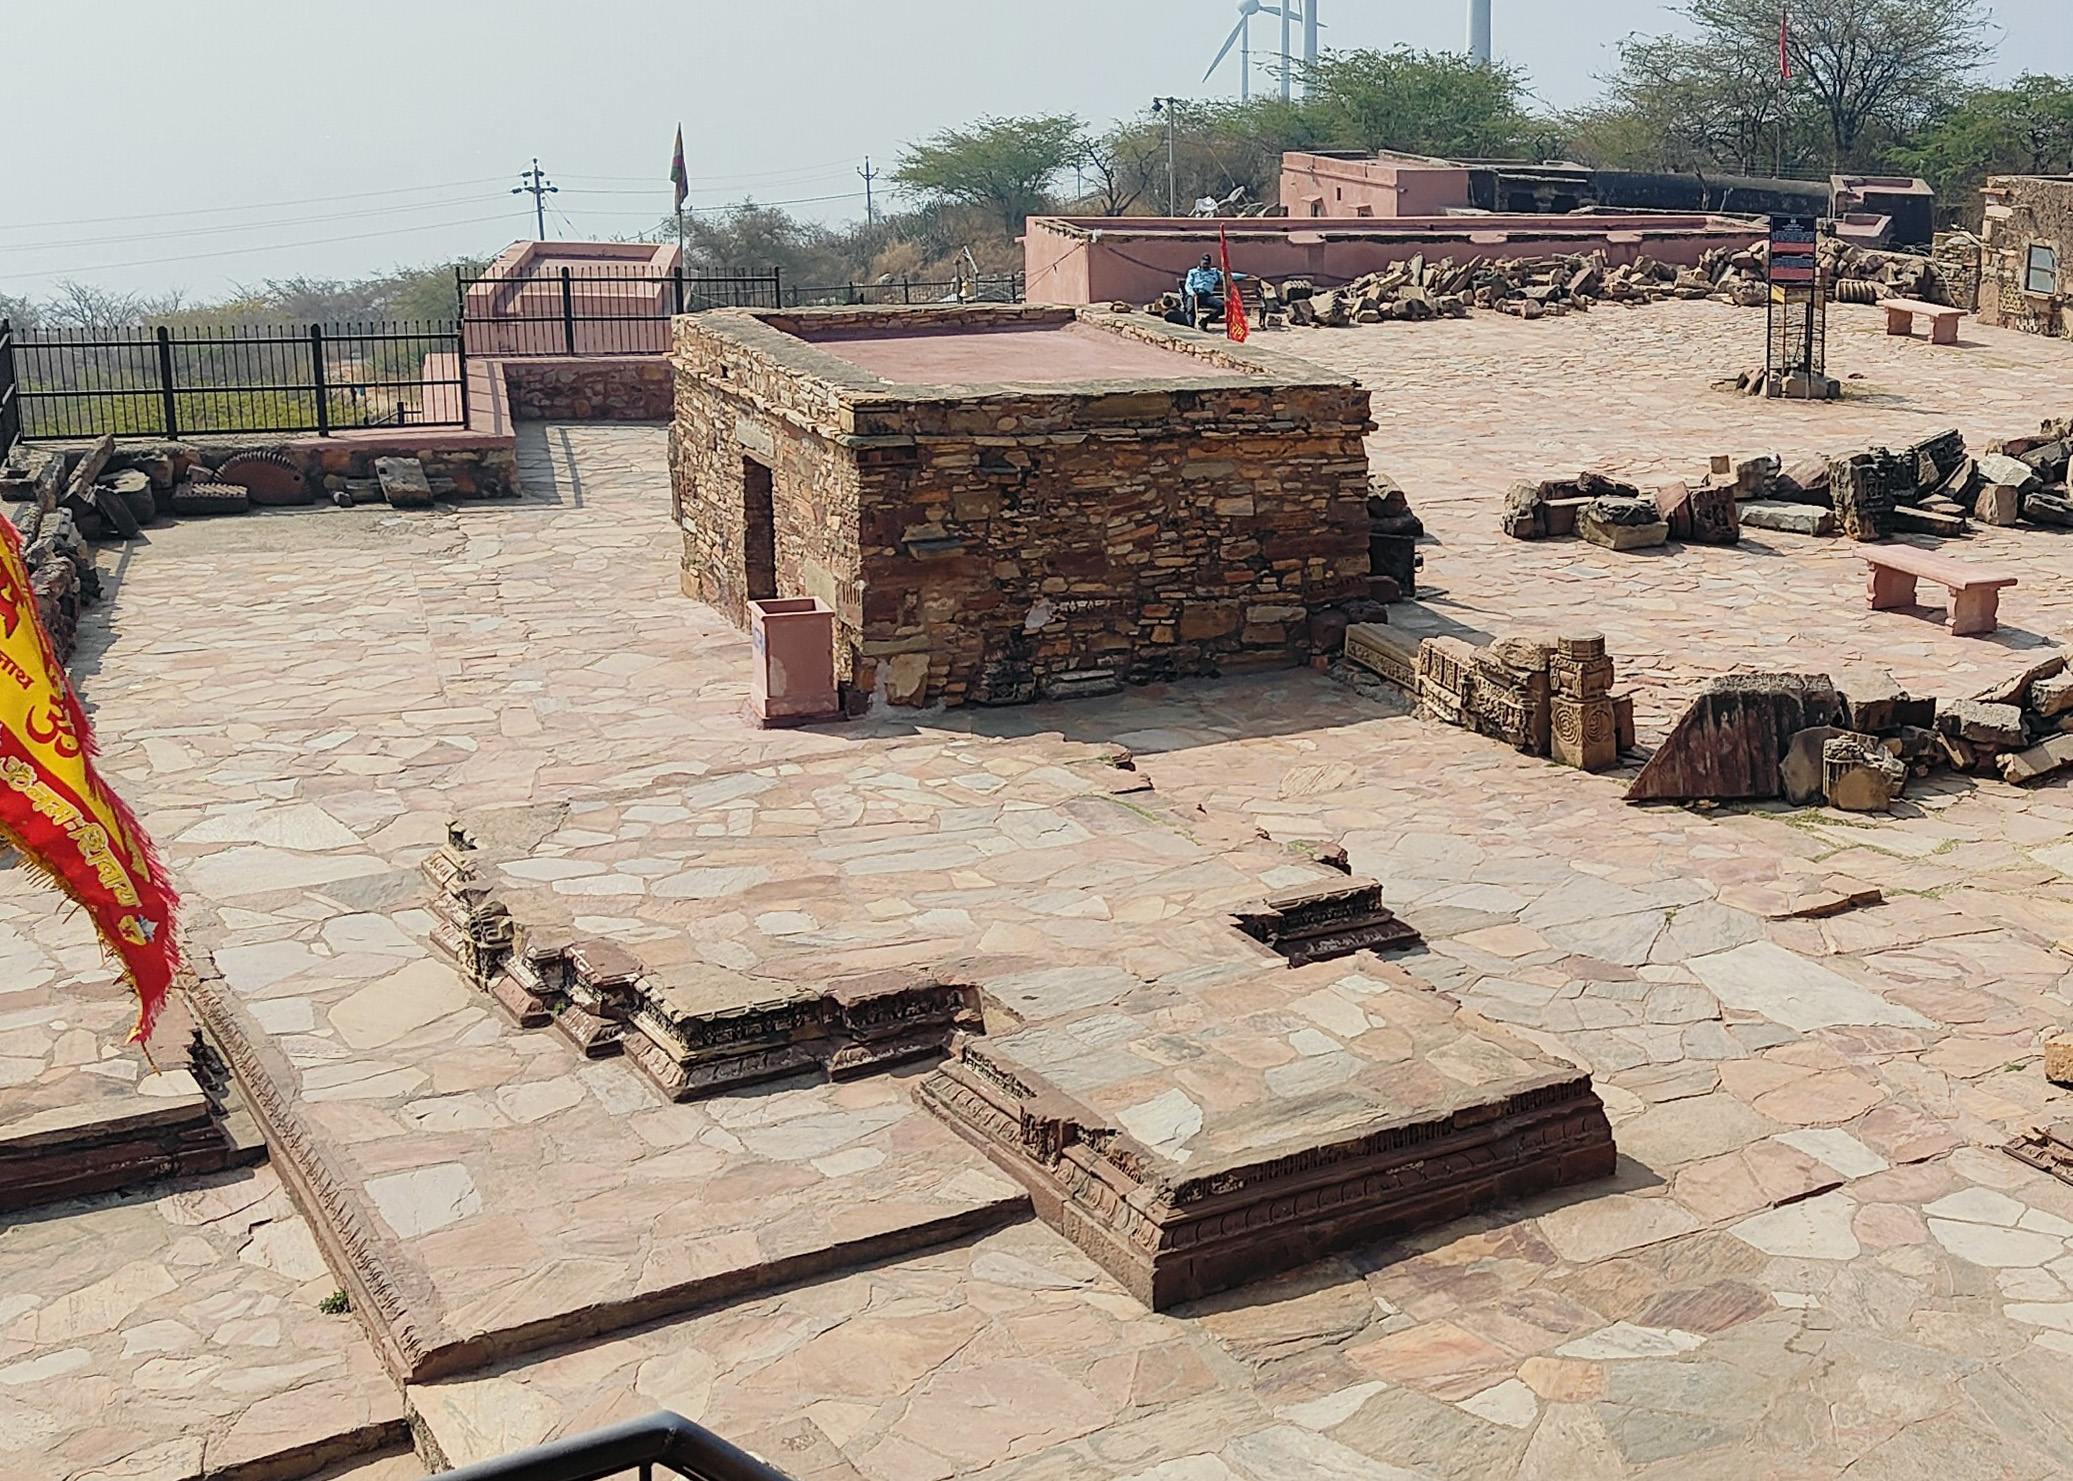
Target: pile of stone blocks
(1591, 506)
(2025, 478)
(1409, 291)
(2020, 730)
(1539, 697)
(114, 490)
(1854, 742)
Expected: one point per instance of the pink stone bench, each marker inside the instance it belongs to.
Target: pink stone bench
(1943, 320)
(1975, 590)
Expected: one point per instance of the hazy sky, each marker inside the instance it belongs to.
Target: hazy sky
(236, 140)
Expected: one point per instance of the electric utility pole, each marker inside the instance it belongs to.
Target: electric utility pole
(537, 186)
(870, 208)
(1166, 107)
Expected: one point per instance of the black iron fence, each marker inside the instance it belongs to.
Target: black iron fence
(593, 310)
(10, 393)
(178, 381)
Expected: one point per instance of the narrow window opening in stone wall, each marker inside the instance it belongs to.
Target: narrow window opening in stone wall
(759, 532)
(2044, 270)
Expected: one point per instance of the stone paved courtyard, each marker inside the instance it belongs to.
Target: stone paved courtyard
(1811, 1262)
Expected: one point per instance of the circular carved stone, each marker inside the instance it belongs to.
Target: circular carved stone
(1581, 645)
(269, 478)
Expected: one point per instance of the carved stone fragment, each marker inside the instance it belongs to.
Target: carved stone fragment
(1729, 743)
(1318, 923)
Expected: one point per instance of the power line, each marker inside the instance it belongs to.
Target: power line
(210, 231)
(313, 200)
(714, 179)
(364, 236)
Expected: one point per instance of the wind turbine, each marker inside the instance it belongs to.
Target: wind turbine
(1289, 12)
(1240, 37)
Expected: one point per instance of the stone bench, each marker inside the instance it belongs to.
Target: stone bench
(1943, 320)
(1975, 590)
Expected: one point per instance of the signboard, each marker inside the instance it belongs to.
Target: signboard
(1793, 255)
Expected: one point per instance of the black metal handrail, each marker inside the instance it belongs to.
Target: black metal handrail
(664, 1440)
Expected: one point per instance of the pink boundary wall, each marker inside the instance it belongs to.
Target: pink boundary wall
(524, 284)
(1133, 259)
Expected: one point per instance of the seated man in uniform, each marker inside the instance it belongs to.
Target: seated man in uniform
(1203, 291)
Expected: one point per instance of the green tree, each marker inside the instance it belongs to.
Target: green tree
(2023, 129)
(1006, 166)
(1419, 103)
(1873, 70)
(1714, 104)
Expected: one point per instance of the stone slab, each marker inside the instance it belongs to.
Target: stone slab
(484, 1239)
(1180, 1184)
(176, 1333)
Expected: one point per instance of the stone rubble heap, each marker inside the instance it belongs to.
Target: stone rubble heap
(1551, 286)
(112, 491)
(1934, 487)
(61, 569)
(1854, 274)
(1854, 742)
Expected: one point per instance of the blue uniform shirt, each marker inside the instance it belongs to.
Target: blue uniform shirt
(1205, 280)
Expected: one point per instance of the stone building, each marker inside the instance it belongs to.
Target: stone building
(1004, 502)
(2025, 272)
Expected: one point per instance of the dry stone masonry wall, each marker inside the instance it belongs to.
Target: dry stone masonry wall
(995, 544)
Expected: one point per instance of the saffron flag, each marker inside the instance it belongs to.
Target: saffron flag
(57, 812)
(1785, 43)
(1234, 303)
(677, 176)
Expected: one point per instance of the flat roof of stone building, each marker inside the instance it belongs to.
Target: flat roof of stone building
(1010, 354)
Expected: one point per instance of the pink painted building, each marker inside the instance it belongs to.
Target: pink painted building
(621, 295)
(1133, 259)
(1384, 186)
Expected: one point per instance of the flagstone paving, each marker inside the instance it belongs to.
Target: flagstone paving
(174, 1331)
(1811, 1260)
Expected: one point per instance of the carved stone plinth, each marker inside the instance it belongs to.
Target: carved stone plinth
(704, 1032)
(473, 929)
(1509, 699)
(603, 991)
(1170, 1233)
(1319, 923)
(1384, 652)
(1446, 679)
(1584, 733)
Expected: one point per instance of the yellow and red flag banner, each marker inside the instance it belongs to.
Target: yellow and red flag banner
(56, 810)
(1234, 302)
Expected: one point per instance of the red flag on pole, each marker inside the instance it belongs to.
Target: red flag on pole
(1785, 43)
(1234, 304)
(66, 823)
(677, 175)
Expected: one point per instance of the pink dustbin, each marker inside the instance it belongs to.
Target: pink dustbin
(792, 680)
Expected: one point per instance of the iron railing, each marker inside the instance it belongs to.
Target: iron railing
(666, 1443)
(998, 288)
(596, 310)
(176, 381)
(10, 392)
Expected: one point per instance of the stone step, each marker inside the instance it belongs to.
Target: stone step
(107, 1145)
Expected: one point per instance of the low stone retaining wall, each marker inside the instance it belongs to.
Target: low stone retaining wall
(620, 388)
